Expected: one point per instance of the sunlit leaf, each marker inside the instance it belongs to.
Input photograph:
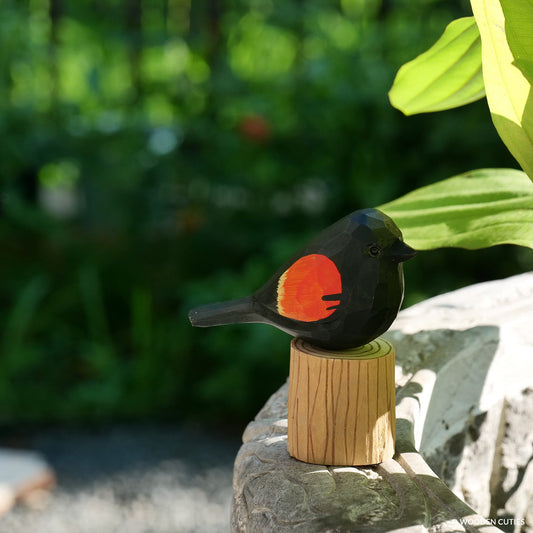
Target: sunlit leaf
(473, 210)
(508, 90)
(447, 75)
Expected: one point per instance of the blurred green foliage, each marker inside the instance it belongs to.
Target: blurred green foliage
(160, 154)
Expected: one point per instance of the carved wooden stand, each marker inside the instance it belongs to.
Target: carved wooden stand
(341, 408)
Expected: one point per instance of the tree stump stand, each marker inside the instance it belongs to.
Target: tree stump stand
(341, 408)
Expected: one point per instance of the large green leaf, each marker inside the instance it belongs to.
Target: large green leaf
(473, 210)
(518, 28)
(447, 75)
(508, 89)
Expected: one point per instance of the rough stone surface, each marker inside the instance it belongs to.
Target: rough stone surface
(283, 494)
(477, 432)
(464, 401)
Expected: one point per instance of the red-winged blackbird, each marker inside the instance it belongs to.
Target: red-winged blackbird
(340, 291)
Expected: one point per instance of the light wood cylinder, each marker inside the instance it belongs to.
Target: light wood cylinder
(342, 404)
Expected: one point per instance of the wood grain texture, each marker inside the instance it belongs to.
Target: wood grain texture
(341, 408)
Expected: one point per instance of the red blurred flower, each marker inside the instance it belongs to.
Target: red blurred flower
(255, 128)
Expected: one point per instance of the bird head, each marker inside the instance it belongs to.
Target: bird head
(383, 237)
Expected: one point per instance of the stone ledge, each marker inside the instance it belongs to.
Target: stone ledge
(464, 405)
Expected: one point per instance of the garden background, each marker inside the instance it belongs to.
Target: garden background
(161, 154)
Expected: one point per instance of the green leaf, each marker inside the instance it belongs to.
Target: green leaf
(518, 28)
(23, 313)
(474, 210)
(526, 66)
(447, 75)
(508, 89)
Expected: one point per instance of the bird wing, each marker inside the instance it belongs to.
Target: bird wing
(310, 289)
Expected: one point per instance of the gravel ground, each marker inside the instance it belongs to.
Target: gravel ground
(129, 480)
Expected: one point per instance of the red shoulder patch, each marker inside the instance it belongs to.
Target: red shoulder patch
(309, 289)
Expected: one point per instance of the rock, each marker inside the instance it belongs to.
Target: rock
(464, 380)
(477, 433)
(21, 475)
(279, 493)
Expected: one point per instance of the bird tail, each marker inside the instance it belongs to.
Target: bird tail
(235, 311)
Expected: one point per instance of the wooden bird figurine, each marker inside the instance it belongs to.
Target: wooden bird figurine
(342, 290)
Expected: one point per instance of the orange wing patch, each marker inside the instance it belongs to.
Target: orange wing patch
(309, 288)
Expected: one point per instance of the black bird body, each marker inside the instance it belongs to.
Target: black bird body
(342, 290)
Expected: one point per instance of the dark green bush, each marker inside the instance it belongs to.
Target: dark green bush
(202, 143)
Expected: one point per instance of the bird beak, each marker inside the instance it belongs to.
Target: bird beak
(400, 252)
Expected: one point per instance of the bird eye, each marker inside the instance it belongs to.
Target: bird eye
(374, 250)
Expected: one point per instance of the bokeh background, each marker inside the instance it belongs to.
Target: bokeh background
(159, 154)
